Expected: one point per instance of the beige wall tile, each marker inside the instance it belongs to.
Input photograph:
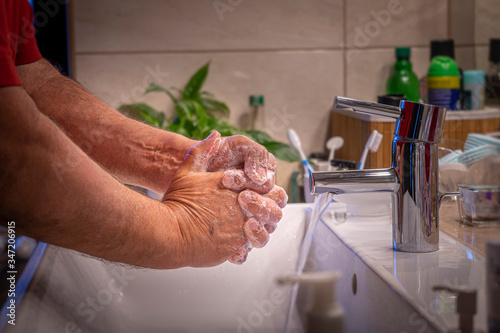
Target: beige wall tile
(482, 58)
(378, 23)
(299, 87)
(368, 70)
(465, 57)
(169, 25)
(487, 21)
(462, 18)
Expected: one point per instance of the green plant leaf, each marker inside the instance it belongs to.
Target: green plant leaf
(146, 112)
(206, 94)
(162, 119)
(140, 107)
(214, 106)
(193, 87)
(282, 151)
(259, 136)
(224, 128)
(201, 115)
(153, 87)
(184, 111)
(150, 119)
(198, 113)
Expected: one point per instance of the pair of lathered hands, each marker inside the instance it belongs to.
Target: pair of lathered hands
(223, 214)
(220, 194)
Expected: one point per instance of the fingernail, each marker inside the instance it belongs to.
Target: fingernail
(270, 176)
(211, 135)
(215, 146)
(238, 180)
(253, 225)
(282, 203)
(270, 227)
(246, 197)
(228, 180)
(240, 257)
(271, 162)
(262, 174)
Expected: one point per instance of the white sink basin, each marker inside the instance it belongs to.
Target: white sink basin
(71, 292)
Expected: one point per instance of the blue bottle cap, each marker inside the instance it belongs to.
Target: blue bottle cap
(473, 77)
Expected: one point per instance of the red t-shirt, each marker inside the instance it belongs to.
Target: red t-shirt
(17, 39)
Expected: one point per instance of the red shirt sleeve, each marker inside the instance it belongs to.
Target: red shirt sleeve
(17, 39)
(27, 50)
(8, 75)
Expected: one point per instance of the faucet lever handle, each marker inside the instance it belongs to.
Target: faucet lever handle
(372, 108)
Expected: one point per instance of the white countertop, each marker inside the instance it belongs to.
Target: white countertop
(412, 275)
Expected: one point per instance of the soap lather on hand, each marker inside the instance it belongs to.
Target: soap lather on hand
(223, 214)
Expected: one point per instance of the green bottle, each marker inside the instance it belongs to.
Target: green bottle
(443, 83)
(403, 80)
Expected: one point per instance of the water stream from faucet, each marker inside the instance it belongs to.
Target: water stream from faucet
(321, 203)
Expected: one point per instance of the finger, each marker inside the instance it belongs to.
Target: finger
(255, 158)
(255, 232)
(262, 208)
(241, 255)
(272, 165)
(199, 156)
(237, 180)
(278, 195)
(270, 227)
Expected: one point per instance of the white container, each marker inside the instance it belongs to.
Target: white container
(325, 315)
(474, 83)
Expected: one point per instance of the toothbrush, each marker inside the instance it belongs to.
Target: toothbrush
(333, 144)
(295, 143)
(372, 145)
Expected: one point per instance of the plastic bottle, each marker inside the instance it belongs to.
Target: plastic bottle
(257, 121)
(493, 75)
(325, 315)
(473, 90)
(443, 83)
(403, 80)
(444, 47)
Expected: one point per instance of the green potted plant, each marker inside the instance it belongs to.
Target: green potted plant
(198, 113)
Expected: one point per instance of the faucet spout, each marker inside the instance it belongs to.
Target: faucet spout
(375, 109)
(354, 181)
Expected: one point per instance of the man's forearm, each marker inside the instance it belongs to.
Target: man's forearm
(82, 208)
(133, 152)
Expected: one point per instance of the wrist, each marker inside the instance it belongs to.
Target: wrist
(160, 237)
(175, 246)
(164, 160)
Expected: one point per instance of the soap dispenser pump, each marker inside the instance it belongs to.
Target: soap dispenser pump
(466, 305)
(324, 314)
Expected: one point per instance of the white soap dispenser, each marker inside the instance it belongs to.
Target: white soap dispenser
(324, 314)
(466, 305)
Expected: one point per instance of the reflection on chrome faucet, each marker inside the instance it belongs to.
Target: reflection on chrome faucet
(413, 178)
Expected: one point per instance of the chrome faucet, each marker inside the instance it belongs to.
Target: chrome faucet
(412, 179)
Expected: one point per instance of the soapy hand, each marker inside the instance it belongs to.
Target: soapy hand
(239, 152)
(212, 224)
(258, 175)
(261, 210)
